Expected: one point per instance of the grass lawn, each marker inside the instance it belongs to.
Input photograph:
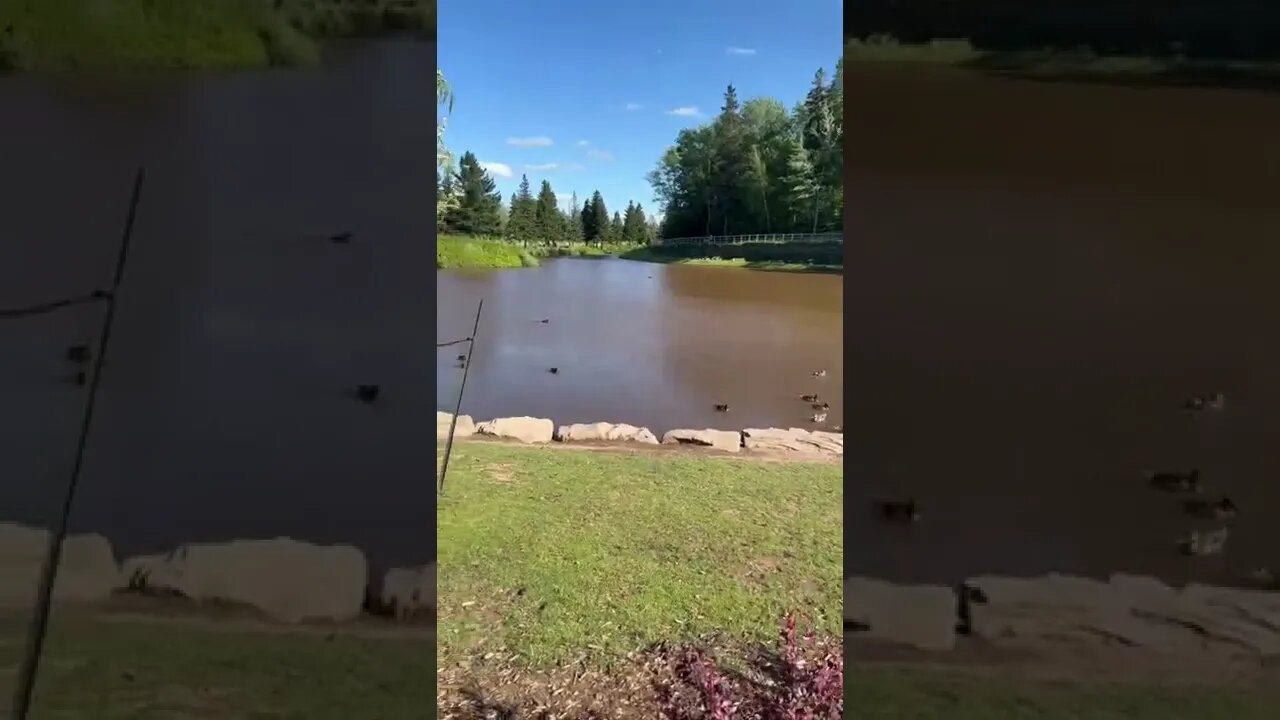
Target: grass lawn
(95, 668)
(556, 554)
(882, 694)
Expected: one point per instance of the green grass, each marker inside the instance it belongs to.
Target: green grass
(455, 252)
(881, 694)
(790, 257)
(97, 669)
(80, 34)
(555, 554)
(883, 48)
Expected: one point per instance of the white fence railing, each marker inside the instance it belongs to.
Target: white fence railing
(775, 238)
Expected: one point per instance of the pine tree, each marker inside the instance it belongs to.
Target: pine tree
(614, 233)
(633, 224)
(732, 166)
(520, 225)
(799, 185)
(479, 207)
(548, 225)
(588, 221)
(599, 223)
(573, 230)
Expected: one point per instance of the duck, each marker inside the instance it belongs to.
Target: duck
(78, 354)
(1221, 509)
(822, 406)
(1202, 544)
(462, 357)
(544, 321)
(722, 407)
(368, 394)
(1197, 403)
(818, 417)
(1183, 482)
(812, 397)
(341, 238)
(553, 370)
(837, 429)
(898, 510)
(819, 373)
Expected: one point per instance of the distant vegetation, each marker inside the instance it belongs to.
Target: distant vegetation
(758, 168)
(78, 34)
(455, 252)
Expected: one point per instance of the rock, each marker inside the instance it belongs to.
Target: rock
(465, 428)
(87, 572)
(409, 592)
(524, 429)
(793, 440)
(725, 440)
(919, 616)
(605, 432)
(286, 579)
(1129, 610)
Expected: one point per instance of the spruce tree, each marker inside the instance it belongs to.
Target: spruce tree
(520, 226)
(548, 225)
(599, 224)
(479, 207)
(615, 229)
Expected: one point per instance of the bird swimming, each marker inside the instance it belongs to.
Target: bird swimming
(1184, 482)
(819, 373)
(78, 354)
(818, 417)
(898, 510)
(368, 393)
(813, 397)
(722, 407)
(1197, 403)
(1221, 509)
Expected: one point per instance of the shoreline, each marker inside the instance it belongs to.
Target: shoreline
(747, 442)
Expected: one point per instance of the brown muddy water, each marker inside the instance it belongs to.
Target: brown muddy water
(223, 409)
(653, 345)
(1041, 273)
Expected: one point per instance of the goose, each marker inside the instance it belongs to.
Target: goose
(368, 393)
(78, 354)
(822, 406)
(722, 407)
(1222, 509)
(1183, 482)
(813, 397)
(1202, 544)
(819, 373)
(898, 510)
(553, 370)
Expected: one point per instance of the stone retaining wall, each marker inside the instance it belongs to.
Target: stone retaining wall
(542, 430)
(1130, 610)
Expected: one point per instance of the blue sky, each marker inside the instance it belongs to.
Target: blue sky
(589, 94)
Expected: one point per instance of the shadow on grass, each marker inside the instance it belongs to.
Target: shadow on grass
(827, 258)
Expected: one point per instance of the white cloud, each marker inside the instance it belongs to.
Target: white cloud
(603, 155)
(583, 143)
(634, 106)
(686, 111)
(539, 141)
(739, 51)
(542, 167)
(499, 169)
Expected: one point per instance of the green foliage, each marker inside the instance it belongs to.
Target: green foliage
(479, 206)
(455, 252)
(756, 168)
(521, 218)
(548, 224)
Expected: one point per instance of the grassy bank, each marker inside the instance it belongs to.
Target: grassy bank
(74, 34)
(896, 694)
(794, 257)
(454, 252)
(100, 667)
(1080, 64)
(560, 554)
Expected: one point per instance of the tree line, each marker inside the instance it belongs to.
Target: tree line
(1220, 29)
(757, 167)
(476, 208)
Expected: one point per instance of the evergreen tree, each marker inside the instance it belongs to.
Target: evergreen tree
(799, 184)
(548, 224)
(588, 221)
(520, 222)
(633, 224)
(573, 232)
(614, 233)
(599, 223)
(479, 204)
(732, 167)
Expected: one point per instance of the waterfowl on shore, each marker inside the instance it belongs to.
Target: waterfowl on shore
(368, 393)
(78, 354)
(822, 406)
(819, 373)
(1202, 544)
(1197, 403)
(553, 370)
(898, 510)
(1221, 509)
(818, 417)
(813, 397)
(1183, 482)
(341, 238)
(722, 407)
